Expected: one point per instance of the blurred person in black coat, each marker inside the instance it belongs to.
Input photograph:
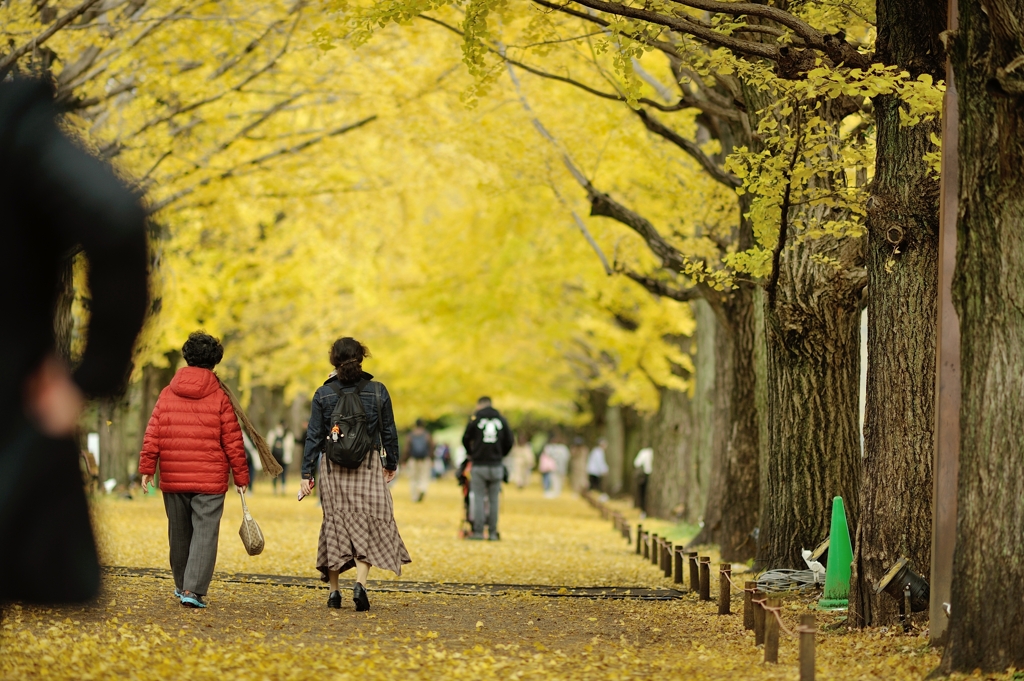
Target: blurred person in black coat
(54, 200)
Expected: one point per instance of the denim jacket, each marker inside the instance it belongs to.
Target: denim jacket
(379, 418)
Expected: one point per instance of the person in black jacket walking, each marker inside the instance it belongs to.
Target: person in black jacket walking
(488, 438)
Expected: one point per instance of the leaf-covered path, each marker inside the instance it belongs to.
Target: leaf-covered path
(136, 630)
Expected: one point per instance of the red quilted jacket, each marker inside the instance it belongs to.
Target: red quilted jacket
(195, 436)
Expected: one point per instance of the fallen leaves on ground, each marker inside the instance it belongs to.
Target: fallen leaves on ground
(136, 630)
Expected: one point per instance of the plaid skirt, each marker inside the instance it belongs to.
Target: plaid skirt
(359, 519)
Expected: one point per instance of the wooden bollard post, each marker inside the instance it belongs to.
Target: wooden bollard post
(647, 546)
(669, 549)
(705, 578)
(639, 538)
(694, 572)
(759, 614)
(748, 605)
(724, 590)
(677, 568)
(771, 632)
(807, 631)
(656, 550)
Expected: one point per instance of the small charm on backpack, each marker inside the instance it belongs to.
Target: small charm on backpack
(335, 431)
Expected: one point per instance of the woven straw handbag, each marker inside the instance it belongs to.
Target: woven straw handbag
(250, 532)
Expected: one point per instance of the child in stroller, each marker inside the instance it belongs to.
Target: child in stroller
(462, 474)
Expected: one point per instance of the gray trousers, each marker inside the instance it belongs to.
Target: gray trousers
(485, 481)
(193, 527)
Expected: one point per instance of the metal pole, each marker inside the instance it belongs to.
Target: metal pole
(947, 389)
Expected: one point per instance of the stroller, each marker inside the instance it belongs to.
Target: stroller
(462, 476)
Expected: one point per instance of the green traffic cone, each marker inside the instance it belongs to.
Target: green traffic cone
(840, 558)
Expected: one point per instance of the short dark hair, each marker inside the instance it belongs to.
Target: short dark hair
(485, 401)
(347, 356)
(202, 350)
(419, 423)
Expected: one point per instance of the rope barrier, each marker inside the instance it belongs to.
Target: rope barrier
(740, 588)
(781, 625)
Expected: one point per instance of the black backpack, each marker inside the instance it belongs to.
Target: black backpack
(349, 440)
(419, 446)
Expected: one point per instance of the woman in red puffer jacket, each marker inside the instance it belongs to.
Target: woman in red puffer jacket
(194, 435)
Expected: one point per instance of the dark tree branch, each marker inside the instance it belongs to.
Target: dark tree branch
(258, 161)
(791, 62)
(688, 26)
(8, 61)
(717, 172)
(773, 280)
(615, 97)
(660, 287)
(114, 148)
(666, 47)
(835, 46)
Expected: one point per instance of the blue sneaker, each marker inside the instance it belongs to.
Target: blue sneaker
(191, 600)
(177, 593)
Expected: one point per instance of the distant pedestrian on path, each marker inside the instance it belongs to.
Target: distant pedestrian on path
(488, 438)
(559, 454)
(358, 528)
(281, 442)
(597, 466)
(420, 448)
(643, 465)
(523, 460)
(194, 436)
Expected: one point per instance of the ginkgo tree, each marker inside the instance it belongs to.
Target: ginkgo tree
(788, 93)
(277, 233)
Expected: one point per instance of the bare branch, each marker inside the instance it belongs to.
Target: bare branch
(684, 103)
(601, 203)
(7, 62)
(666, 47)
(660, 287)
(258, 161)
(688, 26)
(717, 172)
(112, 149)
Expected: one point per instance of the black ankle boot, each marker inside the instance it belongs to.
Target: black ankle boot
(334, 600)
(360, 599)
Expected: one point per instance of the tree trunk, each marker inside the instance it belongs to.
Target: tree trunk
(812, 336)
(114, 447)
(902, 263)
(733, 497)
(616, 435)
(632, 440)
(63, 322)
(710, 424)
(986, 627)
(672, 440)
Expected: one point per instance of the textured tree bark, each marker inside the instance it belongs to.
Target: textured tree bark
(902, 265)
(615, 433)
(114, 446)
(63, 323)
(812, 336)
(672, 440)
(710, 423)
(986, 627)
(733, 494)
